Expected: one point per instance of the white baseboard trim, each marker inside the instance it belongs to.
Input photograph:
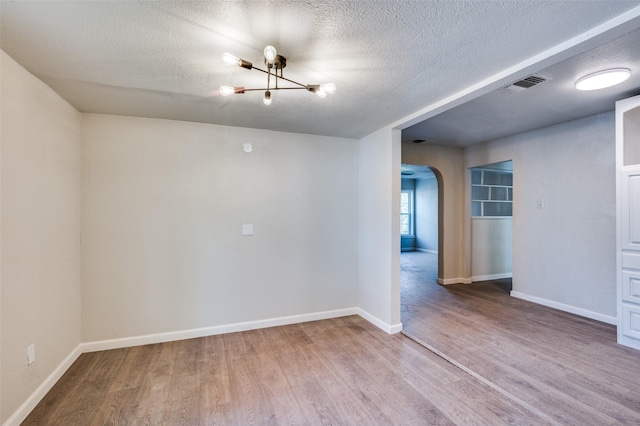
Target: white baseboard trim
(491, 277)
(34, 399)
(448, 281)
(125, 342)
(387, 328)
(566, 308)
(427, 251)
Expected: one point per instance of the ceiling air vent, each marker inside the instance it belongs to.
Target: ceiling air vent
(527, 83)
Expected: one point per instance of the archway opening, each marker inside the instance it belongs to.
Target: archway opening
(421, 232)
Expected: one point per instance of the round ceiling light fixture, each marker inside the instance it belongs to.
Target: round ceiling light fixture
(603, 79)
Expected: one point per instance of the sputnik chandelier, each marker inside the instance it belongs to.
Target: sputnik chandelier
(274, 62)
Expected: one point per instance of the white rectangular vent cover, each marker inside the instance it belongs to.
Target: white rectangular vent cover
(527, 82)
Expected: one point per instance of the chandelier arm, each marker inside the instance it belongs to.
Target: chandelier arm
(273, 88)
(291, 81)
(279, 76)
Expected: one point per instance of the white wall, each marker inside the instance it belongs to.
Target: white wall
(379, 229)
(563, 254)
(427, 214)
(40, 294)
(163, 207)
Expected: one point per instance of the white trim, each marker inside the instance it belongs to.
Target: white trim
(387, 328)
(566, 308)
(491, 277)
(449, 281)
(427, 251)
(34, 399)
(481, 218)
(214, 330)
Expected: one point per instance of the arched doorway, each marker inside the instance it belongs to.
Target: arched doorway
(421, 232)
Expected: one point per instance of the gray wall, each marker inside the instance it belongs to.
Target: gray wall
(564, 253)
(427, 214)
(163, 207)
(491, 247)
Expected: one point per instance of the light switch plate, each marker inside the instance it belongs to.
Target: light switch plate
(31, 354)
(247, 230)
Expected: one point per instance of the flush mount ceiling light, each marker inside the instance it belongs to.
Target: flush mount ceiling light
(274, 62)
(603, 79)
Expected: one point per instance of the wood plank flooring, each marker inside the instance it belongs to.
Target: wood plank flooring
(510, 362)
(333, 372)
(567, 367)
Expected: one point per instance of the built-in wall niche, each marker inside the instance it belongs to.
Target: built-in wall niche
(491, 192)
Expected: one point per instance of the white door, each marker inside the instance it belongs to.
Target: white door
(629, 256)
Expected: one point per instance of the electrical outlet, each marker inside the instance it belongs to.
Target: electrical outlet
(540, 203)
(31, 354)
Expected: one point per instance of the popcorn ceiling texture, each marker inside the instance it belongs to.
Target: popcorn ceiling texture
(387, 58)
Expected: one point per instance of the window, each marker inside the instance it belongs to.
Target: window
(406, 212)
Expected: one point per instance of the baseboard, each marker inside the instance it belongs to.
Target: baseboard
(387, 328)
(566, 308)
(103, 345)
(34, 399)
(427, 251)
(477, 278)
(449, 281)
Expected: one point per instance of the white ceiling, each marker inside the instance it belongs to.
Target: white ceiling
(389, 59)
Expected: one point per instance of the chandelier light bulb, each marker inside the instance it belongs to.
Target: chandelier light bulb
(227, 90)
(329, 88)
(270, 54)
(321, 93)
(267, 98)
(603, 79)
(230, 59)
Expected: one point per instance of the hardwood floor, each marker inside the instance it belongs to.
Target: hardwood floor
(501, 361)
(563, 366)
(339, 371)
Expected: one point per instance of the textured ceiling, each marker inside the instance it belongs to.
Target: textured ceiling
(502, 112)
(388, 59)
